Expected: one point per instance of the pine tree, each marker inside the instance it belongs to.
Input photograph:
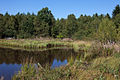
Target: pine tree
(1, 25)
(44, 22)
(116, 11)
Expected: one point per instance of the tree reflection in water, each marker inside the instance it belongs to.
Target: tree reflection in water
(12, 60)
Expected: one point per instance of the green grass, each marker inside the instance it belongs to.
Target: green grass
(98, 69)
(97, 62)
(40, 44)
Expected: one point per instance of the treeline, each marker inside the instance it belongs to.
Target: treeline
(96, 27)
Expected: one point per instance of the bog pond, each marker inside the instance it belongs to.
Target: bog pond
(11, 60)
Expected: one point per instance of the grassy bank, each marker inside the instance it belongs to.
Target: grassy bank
(42, 44)
(98, 63)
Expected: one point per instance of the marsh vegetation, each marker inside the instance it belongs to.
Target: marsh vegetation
(96, 63)
(82, 60)
(43, 48)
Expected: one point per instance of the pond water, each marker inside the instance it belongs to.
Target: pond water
(12, 60)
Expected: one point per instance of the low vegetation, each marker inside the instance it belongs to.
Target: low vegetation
(42, 44)
(97, 63)
(101, 57)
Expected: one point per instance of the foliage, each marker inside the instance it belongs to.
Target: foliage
(44, 21)
(96, 63)
(60, 36)
(96, 27)
(106, 31)
(71, 25)
(1, 26)
(116, 11)
(117, 23)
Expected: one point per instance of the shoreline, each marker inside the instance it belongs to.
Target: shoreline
(28, 44)
(101, 61)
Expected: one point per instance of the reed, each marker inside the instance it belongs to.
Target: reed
(41, 44)
(98, 68)
(98, 62)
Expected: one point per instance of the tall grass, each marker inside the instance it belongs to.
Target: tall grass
(42, 44)
(32, 43)
(97, 62)
(98, 50)
(93, 66)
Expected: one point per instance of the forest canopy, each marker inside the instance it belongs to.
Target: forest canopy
(96, 27)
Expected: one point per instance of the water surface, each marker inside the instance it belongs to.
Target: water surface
(12, 60)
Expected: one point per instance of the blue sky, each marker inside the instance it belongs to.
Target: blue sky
(59, 8)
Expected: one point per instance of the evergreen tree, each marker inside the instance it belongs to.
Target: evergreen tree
(71, 25)
(100, 27)
(56, 29)
(13, 26)
(107, 16)
(22, 28)
(1, 26)
(116, 11)
(84, 29)
(9, 26)
(44, 22)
